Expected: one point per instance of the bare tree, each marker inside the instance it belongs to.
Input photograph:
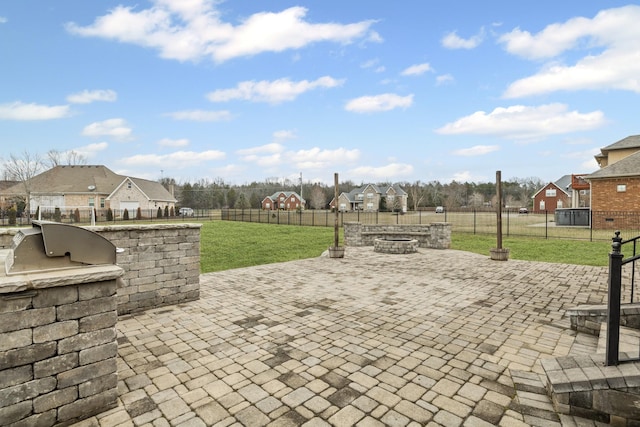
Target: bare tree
(57, 158)
(417, 193)
(318, 198)
(22, 168)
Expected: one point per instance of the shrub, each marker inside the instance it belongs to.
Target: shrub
(159, 214)
(57, 215)
(12, 215)
(125, 214)
(109, 215)
(76, 215)
(139, 213)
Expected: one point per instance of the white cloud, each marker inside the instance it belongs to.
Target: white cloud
(177, 160)
(191, 30)
(614, 32)
(453, 41)
(416, 70)
(115, 128)
(383, 172)
(88, 96)
(282, 135)
(3, 20)
(272, 92)
(21, 111)
(201, 115)
(383, 102)
(524, 122)
(476, 150)
(267, 148)
(444, 79)
(315, 158)
(91, 150)
(167, 142)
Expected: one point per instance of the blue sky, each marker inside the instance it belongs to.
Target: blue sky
(376, 91)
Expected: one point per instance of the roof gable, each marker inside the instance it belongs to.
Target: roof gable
(629, 166)
(632, 141)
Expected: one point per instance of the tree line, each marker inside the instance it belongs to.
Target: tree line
(216, 194)
(204, 194)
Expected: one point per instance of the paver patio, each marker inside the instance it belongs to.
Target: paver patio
(435, 338)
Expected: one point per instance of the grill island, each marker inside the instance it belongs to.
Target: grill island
(58, 342)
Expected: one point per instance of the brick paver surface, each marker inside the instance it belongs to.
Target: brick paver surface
(425, 339)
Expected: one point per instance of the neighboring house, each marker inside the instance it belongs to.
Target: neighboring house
(283, 200)
(615, 187)
(368, 197)
(6, 201)
(618, 151)
(580, 191)
(554, 195)
(615, 190)
(78, 186)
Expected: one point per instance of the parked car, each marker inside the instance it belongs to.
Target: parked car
(523, 211)
(439, 209)
(186, 212)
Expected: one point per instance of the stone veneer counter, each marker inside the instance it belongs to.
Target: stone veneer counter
(58, 344)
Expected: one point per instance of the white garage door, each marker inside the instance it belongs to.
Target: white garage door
(132, 207)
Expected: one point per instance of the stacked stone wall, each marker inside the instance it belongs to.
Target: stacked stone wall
(161, 263)
(58, 351)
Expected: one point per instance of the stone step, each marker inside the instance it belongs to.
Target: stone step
(629, 342)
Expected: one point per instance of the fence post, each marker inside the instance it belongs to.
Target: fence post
(474, 220)
(508, 216)
(546, 224)
(613, 304)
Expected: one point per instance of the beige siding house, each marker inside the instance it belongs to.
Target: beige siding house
(83, 186)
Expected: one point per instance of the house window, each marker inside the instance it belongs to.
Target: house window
(129, 185)
(541, 205)
(622, 188)
(360, 196)
(293, 198)
(370, 206)
(267, 205)
(559, 204)
(92, 201)
(369, 195)
(281, 198)
(343, 207)
(102, 202)
(551, 192)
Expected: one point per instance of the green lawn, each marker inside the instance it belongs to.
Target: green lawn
(581, 252)
(228, 244)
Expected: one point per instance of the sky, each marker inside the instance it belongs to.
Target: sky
(376, 91)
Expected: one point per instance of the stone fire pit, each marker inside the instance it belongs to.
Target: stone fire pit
(395, 245)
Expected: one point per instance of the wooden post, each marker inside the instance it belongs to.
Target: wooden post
(499, 211)
(336, 229)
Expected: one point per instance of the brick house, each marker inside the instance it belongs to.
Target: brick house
(283, 200)
(554, 195)
(368, 197)
(615, 187)
(75, 186)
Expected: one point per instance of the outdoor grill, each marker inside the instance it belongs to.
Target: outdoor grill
(52, 245)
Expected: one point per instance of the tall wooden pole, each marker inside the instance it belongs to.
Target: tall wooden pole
(336, 235)
(499, 208)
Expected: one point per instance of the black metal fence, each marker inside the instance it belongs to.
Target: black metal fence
(546, 225)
